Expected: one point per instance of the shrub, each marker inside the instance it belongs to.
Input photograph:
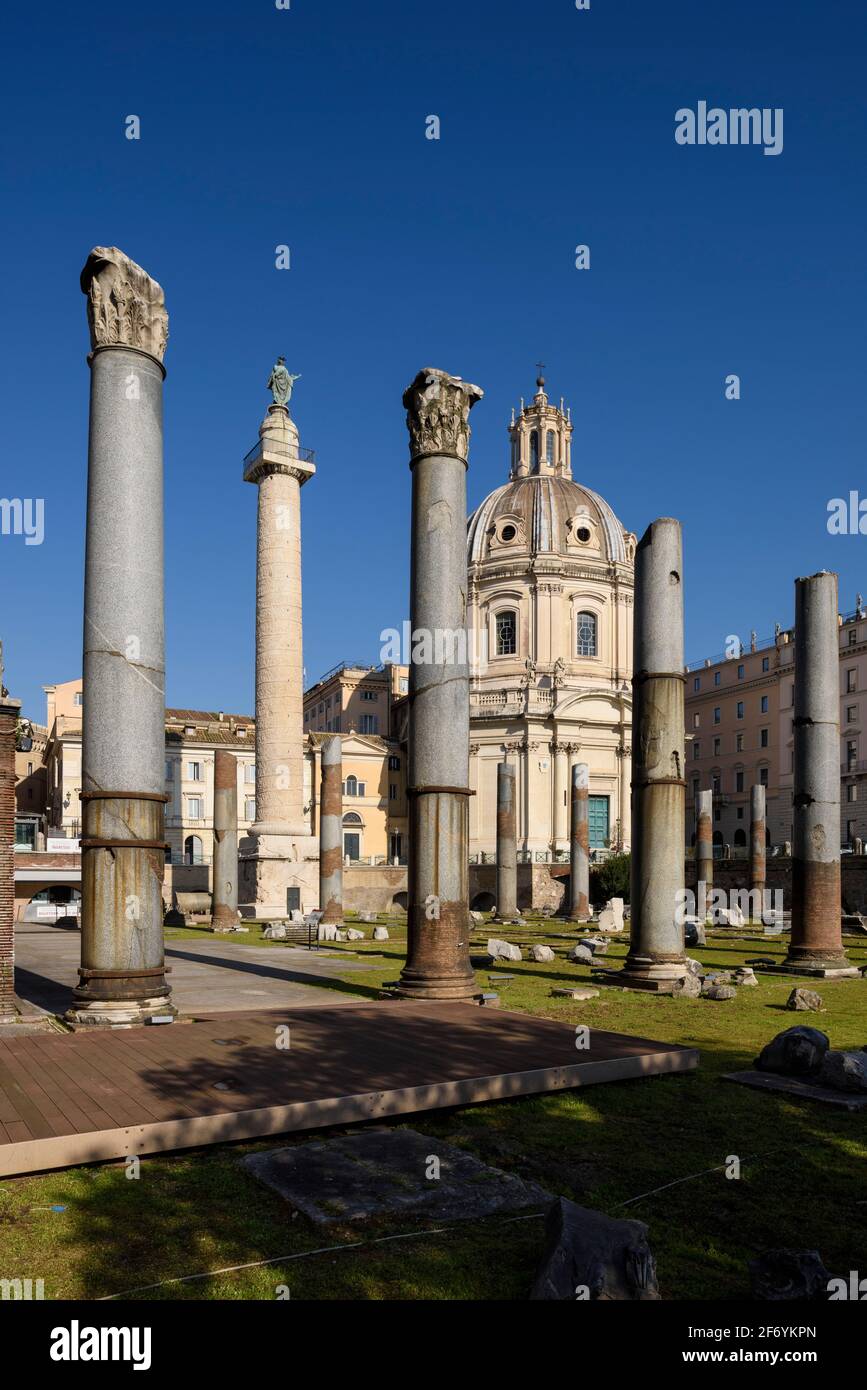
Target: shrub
(610, 878)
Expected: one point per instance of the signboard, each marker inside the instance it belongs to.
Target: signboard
(63, 846)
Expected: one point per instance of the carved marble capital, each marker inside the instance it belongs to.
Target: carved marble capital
(125, 307)
(437, 413)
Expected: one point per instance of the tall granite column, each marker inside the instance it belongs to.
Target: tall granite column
(10, 713)
(331, 832)
(224, 912)
(758, 872)
(122, 975)
(579, 844)
(438, 957)
(816, 946)
(507, 844)
(656, 959)
(279, 853)
(704, 853)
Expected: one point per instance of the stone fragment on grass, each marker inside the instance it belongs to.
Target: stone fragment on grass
(797, 1051)
(745, 976)
(789, 1275)
(380, 933)
(580, 955)
(844, 1071)
(541, 953)
(804, 1000)
(688, 986)
(275, 931)
(592, 1256)
(352, 934)
(611, 915)
(326, 932)
(711, 990)
(503, 950)
(577, 992)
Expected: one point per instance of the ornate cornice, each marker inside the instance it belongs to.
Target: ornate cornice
(437, 413)
(125, 307)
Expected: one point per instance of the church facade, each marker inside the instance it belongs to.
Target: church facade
(550, 606)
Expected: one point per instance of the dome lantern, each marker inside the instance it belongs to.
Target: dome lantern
(541, 438)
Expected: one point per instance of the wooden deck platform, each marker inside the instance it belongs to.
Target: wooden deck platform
(84, 1097)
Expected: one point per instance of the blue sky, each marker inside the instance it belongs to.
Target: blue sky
(306, 127)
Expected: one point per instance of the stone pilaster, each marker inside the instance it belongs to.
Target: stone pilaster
(438, 958)
(122, 975)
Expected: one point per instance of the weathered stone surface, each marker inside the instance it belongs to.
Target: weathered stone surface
(326, 932)
(541, 953)
(352, 934)
(125, 307)
(595, 1257)
(380, 933)
(503, 950)
(746, 976)
(695, 967)
(711, 990)
(275, 931)
(795, 1052)
(368, 1174)
(598, 948)
(689, 986)
(578, 992)
(844, 1071)
(727, 917)
(785, 1275)
(580, 954)
(477, 916)
(611, 915)
(693, 932)
(804, 1000)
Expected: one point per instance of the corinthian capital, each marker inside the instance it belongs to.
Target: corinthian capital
(125, 307)
(437, 413)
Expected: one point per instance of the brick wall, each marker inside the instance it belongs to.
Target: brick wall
(734, 873)
(10, 711)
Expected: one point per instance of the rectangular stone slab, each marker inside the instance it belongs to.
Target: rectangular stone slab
(794, 1086)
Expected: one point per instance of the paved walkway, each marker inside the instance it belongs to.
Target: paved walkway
(209, 975)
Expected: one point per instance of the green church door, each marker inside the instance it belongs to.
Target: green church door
(597, 815)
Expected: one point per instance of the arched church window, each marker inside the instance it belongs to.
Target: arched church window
(350, 786)
(549, 447)
(534, 451)
(507, 633)
(586, 627)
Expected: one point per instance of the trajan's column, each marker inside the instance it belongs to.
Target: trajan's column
(278, 867)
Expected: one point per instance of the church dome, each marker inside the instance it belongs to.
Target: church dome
(541, 510)
(539, 515)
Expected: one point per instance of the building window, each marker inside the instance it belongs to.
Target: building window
(195, 808)
(194, 772)
(764, 708)
(739, 743)
(507, 629)
(249, 808)
(78, 699)
(404, 684)
(717, 714)
(586, 628)
(716, 677)
(193, 850)
(392, 791)
(369, 724)
(852, 791)
(717, 746)
(851, 714)
(352, 786)
(394, 764)
(739, 812)
(170, 770)
(336, 724)
(853, 636)
(695, 789)
(534, 451)
(763, 738)
(766, 663)
(740, 709)
(850, 832)
(763, 776)
(716, 783)
(249, 773)
(851, 682)
(851, 753)
(739, 781)
(696, 749)
(696, 721)
(696, 683)
(549, 447)
(369, 695)
(741, 673)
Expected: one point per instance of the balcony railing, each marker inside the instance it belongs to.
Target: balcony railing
(273, 446)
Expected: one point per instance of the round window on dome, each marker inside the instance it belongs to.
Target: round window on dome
(583, 534)
(509, 533)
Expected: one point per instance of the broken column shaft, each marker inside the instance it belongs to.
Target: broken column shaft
(438, 957)
(656, 959)
(224, 912)
(758, 871)
(579, 844)
(331, 832)
(704, 852)
(507, 844)
(122, 975)
(816, 946)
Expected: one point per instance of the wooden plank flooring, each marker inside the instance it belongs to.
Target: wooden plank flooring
(82, 1097)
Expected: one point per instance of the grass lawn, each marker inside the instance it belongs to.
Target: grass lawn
(801, 1183)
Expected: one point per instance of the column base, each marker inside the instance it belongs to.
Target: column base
(640, 972)
(120, 1013)
(443, 988)
(814, 970)
(270, 864)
